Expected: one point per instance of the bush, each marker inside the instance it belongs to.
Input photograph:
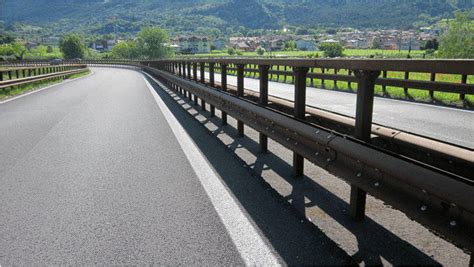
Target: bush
(332, 49)
(312, 55)
(260, 51)
(231, 51)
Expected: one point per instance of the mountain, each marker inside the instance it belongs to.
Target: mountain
(181, 16)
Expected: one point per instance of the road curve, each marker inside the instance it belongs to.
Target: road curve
(91, 172)
(451, 125)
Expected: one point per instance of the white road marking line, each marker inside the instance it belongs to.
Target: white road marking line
(34, 91)
(251, 246)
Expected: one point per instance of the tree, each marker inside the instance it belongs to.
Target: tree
(260, 51)
(153, 43)
(49, 49)
(431, 45)
(290, 45)
(128, 49)
(14, 49)
(458, 42)
(72, 46)
(6, 39)
(332, 49)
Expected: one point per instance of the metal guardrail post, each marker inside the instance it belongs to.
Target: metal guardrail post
(195, 71)
(189, 70)
(183, 65)
(299, 113)
(224, 88)
(1, 76)
(432, 79)
(363, 130)
(212, 84)
(405, 90)
(181, 74)
(462, 97)
(384, 88)
(240, 93)
(323, 85)
(263, 100)
(202, 78)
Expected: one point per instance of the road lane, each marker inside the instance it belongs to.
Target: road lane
(447, 124)
(91, 173)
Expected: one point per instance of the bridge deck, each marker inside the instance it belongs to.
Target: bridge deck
(94, 172)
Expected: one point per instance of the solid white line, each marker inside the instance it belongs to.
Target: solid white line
(34, 91)
(251, 246)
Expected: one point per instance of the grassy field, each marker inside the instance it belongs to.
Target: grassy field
(11, 92)
(376, 53)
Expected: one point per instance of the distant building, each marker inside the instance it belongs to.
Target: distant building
(103, 45)
(409, 44)
(305, 43)
(219, 44)
(247, 44)
(51, 41)
(193, 44)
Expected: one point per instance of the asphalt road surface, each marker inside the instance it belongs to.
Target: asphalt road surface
(98, 171)
(451, 125)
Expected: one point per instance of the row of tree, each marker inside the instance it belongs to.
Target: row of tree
(150, 43)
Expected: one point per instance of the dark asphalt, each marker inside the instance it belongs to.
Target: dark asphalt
(91, 173)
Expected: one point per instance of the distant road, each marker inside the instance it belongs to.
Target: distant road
(447, 124)
(97, 172)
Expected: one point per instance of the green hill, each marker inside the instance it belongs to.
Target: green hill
(180, 16)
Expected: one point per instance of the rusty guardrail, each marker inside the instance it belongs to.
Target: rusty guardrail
(36, 74)
(437, 198)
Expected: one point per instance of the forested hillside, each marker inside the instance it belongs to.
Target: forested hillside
(105, 16)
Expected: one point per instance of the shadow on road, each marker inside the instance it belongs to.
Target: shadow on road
(297, 240)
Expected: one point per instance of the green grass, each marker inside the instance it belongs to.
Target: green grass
(17, 90)
(376, 53)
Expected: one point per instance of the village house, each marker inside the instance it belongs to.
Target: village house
(103, 45)
(219, 43)
(247, 44)
(193, 44)
(305, 43)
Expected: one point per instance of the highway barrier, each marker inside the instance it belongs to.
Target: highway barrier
(432, 182)
(17, 76)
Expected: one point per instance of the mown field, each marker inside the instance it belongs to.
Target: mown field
(377, 53)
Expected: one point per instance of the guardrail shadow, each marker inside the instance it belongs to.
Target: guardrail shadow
(299, 242)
